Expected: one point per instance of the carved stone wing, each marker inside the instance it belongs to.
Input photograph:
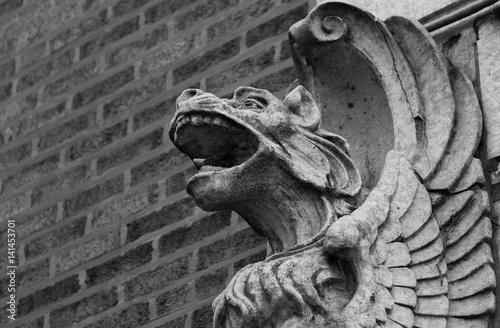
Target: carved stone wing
(421, 242)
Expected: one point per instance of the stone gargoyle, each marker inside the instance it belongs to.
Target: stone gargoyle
(394, 233)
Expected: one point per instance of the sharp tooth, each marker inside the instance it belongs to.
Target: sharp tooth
(224, 124)
(207, 120)
(196, 120)
(217, 121)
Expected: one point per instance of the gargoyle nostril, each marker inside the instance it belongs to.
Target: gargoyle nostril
(188, 93)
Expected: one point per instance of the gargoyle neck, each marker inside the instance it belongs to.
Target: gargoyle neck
(287, 215)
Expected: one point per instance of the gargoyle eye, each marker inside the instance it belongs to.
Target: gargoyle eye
(252, 104)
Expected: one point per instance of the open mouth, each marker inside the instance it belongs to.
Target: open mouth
(213, 142)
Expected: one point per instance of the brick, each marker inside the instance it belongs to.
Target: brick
(78, 311)
(17, 108)
(71, 80)
(125, 6)
(61, 183)
(66, 131)
(116, 33)
(28, 277)
(286, 50)
(246, 68)
(170, 53)
(211, 284)
(4, 319)
(261, 256)
(7, 6)
(202, 228)
(12, 207)
(34, 274)
(42, 219)
(132, 259)
(175, 184)
(158, 165)
(15, 155)
(277, 81)
(97, 141)
(50, 294)
(103, 88)
(131, 317)
(31, 123)
(55, 238)
(176, 323)
(135, 148)
(125, 52)
(30, 174)
(240, 18)
(129, 99)
(276, 26)
(93, 195)
(87, 251)
(202, 317)
(157, 278)
(225, 248)
(5, 91)
(32, 56)
(4, 286)
(7, 69)
(167, 215)
(124, 207)
(92, 4)
(154, 114)
(164, 9)
(7, 46)
(202, 12)
(44, 18)
(37, 323)
(172, 300)
(207, 60)
(74, 33)
(51, 67)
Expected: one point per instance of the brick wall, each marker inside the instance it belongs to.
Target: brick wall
(106, 234)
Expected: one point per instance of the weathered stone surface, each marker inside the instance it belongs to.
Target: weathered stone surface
(403, 277)
(398, 255)
(432, 287)
(488, 52)
(460, 50)
(437, 305)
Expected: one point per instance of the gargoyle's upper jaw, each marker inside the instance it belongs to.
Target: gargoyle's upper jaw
(212, 139)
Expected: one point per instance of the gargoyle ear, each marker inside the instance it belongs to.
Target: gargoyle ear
(303, 108)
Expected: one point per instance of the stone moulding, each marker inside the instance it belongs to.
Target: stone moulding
(393, 231)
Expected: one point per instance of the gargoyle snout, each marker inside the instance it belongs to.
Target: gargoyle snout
(187, 94)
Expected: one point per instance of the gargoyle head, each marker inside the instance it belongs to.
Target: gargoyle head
(253, 149)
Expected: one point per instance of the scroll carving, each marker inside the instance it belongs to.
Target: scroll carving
(402, 243)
